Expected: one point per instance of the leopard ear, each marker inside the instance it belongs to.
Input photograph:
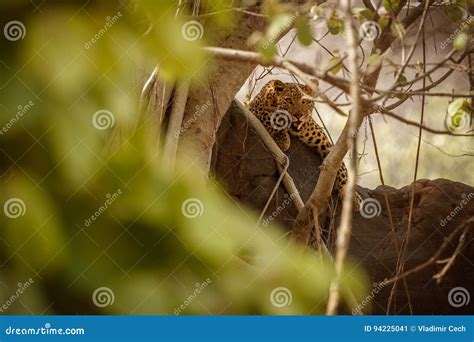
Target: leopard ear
(278, 85)
(273, 83)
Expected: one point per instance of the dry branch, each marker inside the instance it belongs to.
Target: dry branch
(344, 230)
(431, 261)
(280, 157)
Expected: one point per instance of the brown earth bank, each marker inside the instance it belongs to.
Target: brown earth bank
(249, 173)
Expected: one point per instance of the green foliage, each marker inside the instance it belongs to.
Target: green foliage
(402, 80)
(266, 42)
(335, 24)
(303, 30)
(461, 40)
(454, 12)
(335, 63)
(363, 13)
(375, 60)
(282, 18)
(100, 215)
(397, 28)
(391, 5)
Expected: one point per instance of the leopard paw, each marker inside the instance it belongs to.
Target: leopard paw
(282, 139)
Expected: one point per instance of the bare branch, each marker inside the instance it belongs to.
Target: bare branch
(256, 58)
(383, 110)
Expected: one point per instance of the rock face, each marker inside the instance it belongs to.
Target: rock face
(248, 171)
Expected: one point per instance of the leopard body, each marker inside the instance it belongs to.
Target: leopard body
(285, 109)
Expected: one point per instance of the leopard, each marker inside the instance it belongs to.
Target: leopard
(284, 109)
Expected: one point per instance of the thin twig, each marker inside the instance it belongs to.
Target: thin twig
(466, 226)
(402, 257)
(345, 228)
(283, 171)
(439, 276)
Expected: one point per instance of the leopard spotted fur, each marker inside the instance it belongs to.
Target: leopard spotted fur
(284, 109)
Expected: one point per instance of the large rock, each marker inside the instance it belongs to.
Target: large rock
(248, 171)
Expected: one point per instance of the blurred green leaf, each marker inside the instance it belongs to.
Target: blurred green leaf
(391, 5)
(363, 13)
(384, 20)
(266, 42)
(335, 64)
(34, 232)
(402, 80)
(335, 25)
(398, 30)
(303, 30)
(279, 24)
(461, 40)
(100, 208)
(374, 60)
(267, 51)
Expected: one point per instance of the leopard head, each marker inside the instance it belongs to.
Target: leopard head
(293, 98)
